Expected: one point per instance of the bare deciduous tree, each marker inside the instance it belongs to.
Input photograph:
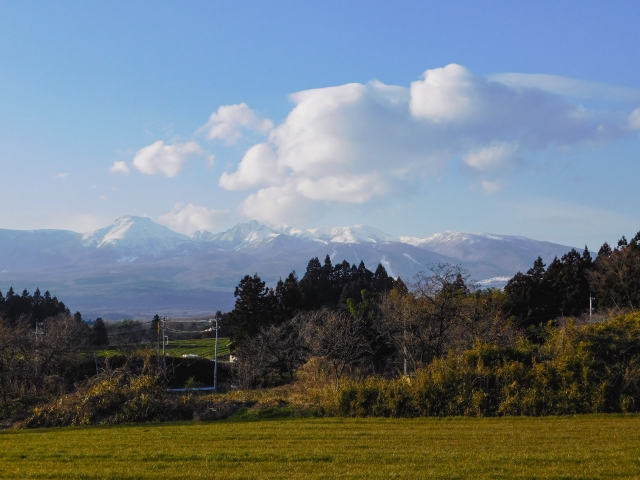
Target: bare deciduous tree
(443, 311)
(338, 337)
(33, 365)
(272, 355)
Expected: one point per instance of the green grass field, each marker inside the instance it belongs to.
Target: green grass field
(585, 447)
(204, 348)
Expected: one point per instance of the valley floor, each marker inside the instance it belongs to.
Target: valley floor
(592, 446)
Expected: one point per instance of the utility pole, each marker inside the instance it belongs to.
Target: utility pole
(215, 359)
(164, 344)
(404, 347)
(39, 331)
(158, 342)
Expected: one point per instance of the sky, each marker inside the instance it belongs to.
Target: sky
(518, 118)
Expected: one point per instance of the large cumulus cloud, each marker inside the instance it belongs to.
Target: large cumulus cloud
(357, 142)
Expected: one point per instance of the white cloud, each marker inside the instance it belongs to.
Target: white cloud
(444, 94)
(258, 167)
(188, 218)
(491, 186)
(61, 176)
(356, 143)
(276, 205)
(102, 198)
(119, 167)
(228, 123)
(165, 159)
(492, 156)
(634, 119)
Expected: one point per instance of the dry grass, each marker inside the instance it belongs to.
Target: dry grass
(603, 446)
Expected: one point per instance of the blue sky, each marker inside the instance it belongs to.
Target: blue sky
(414, 117)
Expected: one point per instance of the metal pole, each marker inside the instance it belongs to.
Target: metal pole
(215, 367)
(404, 347)
(38, 333)
(158, 343)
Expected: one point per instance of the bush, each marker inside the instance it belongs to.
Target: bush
(589, 369)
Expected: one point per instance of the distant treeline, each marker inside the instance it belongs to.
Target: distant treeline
(29, 308)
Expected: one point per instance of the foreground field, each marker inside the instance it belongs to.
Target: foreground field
(552, 447)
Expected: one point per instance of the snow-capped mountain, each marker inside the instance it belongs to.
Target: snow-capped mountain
(241, 236)
(353, 234)
(136, 235)
(138, 267)
(506, 251)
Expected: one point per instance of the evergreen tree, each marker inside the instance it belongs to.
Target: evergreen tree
(288, 297)
(381, 282)
(605, 250)
(255, 307)
(545, 294)
(99, 334)
(154, 329)
(616, 276)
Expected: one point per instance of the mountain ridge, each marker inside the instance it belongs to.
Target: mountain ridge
(136, 266)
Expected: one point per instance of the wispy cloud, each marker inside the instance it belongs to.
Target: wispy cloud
(568, 87)
(634, 119)
(61, 176)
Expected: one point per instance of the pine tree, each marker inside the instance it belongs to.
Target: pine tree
(99, 334)
(288, 297)
(255, 307)
(382, 282)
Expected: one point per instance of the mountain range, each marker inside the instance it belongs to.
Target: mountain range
(136, 267)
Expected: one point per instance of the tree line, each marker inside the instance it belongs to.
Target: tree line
(368, 323)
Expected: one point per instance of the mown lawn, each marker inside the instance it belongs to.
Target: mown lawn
(585, 447)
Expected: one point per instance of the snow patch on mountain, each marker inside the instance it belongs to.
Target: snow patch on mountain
(387, 267)
(411, 258)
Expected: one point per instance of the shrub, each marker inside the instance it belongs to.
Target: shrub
(588, 369)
